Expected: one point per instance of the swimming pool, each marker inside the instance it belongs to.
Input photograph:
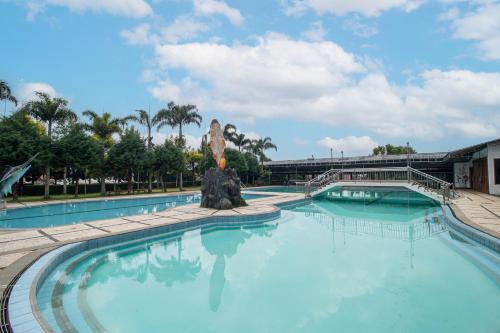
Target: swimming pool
(331, 265)
(287, 189)
(75, 212)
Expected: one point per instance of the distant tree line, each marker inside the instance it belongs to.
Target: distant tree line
(73, 149)
(389, 149)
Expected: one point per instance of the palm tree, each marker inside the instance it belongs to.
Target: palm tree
(144, 118)
(241, 141)
(102, 128)
(6, 93)
(259, 147)
(49, 111)
(177, 116)
(229, 132)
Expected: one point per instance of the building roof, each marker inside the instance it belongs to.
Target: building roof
(463, 153)
(370, 158)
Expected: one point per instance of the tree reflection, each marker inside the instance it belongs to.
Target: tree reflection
(223, 246)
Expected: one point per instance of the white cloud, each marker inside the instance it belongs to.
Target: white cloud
(278, 77)
(481, 26)
(358, 28)
(127, 8)
(343, 7)
(213, 7)
(449, 15)
(316, 32)
(350, 145)
(140, 35)
(27, 91)
(32, 9)
(183, 28)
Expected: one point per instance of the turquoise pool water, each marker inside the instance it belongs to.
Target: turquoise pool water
(70, 213)
(329, 266)
(287, 189)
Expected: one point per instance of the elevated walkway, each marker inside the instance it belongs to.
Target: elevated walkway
(408, 177)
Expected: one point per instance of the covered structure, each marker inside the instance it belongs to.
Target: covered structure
(476, 167)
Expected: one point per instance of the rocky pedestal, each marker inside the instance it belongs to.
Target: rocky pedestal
(221, 189)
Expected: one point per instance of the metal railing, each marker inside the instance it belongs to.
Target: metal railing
(412, 176)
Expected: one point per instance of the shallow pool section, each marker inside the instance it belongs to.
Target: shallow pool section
(328, 266)
(75, 212)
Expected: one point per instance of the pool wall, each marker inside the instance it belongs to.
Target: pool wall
(23, 313)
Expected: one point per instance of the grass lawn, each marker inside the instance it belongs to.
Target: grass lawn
(95, 195)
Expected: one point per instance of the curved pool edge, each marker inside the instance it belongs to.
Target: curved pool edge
(475, 235)
(22, 311)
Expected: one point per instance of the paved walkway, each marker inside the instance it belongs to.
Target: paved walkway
(479, 210)
(17, 244)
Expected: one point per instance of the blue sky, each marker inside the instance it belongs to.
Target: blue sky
(311, 74)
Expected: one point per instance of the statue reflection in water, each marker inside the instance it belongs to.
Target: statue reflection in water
(224, 246)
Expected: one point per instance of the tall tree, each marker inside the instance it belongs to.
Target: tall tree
(260, 146)
(379, 150)
(194, 159)
(128, 154)
(102, 128)
(241, 141)
(21, 137)
(50, 111)
(144, 118)
(229, 132)
(178, 116)
(169, 158)
(78, 152)
(6, 93)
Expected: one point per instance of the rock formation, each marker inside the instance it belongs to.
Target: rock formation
(221, 189)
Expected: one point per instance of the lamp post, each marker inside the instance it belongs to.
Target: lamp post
(342, 160)
(408, 160)
(331, 158)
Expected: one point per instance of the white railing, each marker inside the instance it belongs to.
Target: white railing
(380, 175)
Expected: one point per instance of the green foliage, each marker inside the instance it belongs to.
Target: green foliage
(207, 161)
(168, 158)
(128, 155)
(177, 116)
(102, 127)
(49, 110)
(6, 93)
(254, 168)
(21, 137)
(389, 149)
(78, 151)
(236, 160)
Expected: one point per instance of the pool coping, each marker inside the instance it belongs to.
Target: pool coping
(28, 204)
(133, 197)
(22, 311)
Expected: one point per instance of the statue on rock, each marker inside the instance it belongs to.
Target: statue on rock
(220, 187)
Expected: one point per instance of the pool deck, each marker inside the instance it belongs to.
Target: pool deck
(18, 243)
(478, 210)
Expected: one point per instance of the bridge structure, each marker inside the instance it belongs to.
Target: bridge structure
(413, 179)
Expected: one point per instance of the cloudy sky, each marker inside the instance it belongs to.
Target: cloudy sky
(312, 74)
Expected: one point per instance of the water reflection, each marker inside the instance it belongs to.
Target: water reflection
(223, 249)
(405, 224)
